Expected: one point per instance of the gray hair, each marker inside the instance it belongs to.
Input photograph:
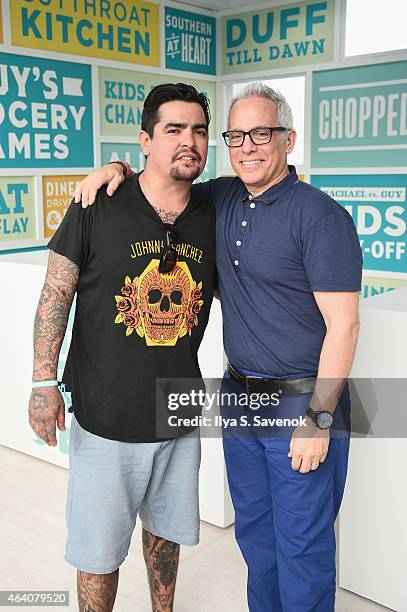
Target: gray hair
(261, 90)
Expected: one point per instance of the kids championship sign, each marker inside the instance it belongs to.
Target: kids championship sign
(278, 37)
(45, 113)
(126, 31)
(122, 94)
(377, 204)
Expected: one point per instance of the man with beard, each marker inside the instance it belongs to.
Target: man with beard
(140, 315)
(289, 266)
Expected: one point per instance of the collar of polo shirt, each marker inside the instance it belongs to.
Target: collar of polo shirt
(270, 195)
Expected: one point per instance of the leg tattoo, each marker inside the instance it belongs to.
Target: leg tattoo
(97, 592)
(161, 557)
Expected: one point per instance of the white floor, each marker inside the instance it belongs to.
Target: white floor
(32, 533)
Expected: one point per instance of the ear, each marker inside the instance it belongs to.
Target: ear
(145, 141)
(291, 140)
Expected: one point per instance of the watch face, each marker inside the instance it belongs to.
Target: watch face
(324, 419)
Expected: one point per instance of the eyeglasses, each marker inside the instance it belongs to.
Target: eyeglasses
(169, 254)
(258, 136)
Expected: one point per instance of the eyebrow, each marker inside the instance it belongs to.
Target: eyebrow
(258, 127)
(183, 126)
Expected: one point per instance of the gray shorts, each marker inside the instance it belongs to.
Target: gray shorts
(111, 482)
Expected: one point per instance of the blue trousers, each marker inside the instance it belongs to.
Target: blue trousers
(284, 520)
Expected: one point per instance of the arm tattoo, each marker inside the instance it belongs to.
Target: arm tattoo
(52, 314)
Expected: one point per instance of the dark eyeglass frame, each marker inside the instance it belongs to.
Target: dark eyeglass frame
(249, 133)
(169, 255)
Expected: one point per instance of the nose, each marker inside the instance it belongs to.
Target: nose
(188, 138)
(165, 304)
(248, 146)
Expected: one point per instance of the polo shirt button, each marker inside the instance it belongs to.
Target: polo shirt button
(236, 262)
(238, 242)
(244, 223)
(252, 205)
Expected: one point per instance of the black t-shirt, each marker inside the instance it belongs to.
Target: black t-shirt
(133, 324)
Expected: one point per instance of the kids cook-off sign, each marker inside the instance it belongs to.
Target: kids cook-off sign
(124, 30)
(57, 195)
(17, 209)
(378, 207)
(359, 116)
(122, 94)
(45, 113)
(190, 41)
(278, 37)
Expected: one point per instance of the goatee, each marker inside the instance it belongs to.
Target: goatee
(179, 174)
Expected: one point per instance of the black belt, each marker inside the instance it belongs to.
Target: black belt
(282, 386)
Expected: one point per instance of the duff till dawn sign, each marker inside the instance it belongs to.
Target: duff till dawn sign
(278, 37)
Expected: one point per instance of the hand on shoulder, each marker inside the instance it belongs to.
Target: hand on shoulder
(111, 174)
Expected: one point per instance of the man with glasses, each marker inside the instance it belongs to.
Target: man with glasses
(289, 266)
(140, 315)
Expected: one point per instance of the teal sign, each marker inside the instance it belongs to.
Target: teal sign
(190, 41)
(372, 285)
(45, 113)
(359, 116)
(377, 204)
(278, 37)
(133, 154)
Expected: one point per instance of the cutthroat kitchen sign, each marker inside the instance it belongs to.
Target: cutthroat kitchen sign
(278, 37)
(45, 113)
(126, 31)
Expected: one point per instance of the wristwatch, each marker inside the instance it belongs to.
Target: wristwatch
(323, 419)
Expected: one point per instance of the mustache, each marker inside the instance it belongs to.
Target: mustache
(187, 152)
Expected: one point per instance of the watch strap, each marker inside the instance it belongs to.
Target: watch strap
(125, 167)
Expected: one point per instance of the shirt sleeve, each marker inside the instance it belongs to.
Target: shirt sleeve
(214, 190)
(332, 255)
(72, 237)
(203, 191)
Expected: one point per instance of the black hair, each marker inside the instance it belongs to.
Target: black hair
(167, 92)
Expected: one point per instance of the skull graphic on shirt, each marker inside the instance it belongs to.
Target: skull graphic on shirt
(160, 307)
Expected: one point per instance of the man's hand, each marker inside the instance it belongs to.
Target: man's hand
(308, 447)
(46, 408)
(88, 188)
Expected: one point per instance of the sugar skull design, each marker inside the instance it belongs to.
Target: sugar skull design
(160, 307)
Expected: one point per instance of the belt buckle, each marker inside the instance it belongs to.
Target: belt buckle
(251, 379)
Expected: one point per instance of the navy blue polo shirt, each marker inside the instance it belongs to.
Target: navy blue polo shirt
(272, 252)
